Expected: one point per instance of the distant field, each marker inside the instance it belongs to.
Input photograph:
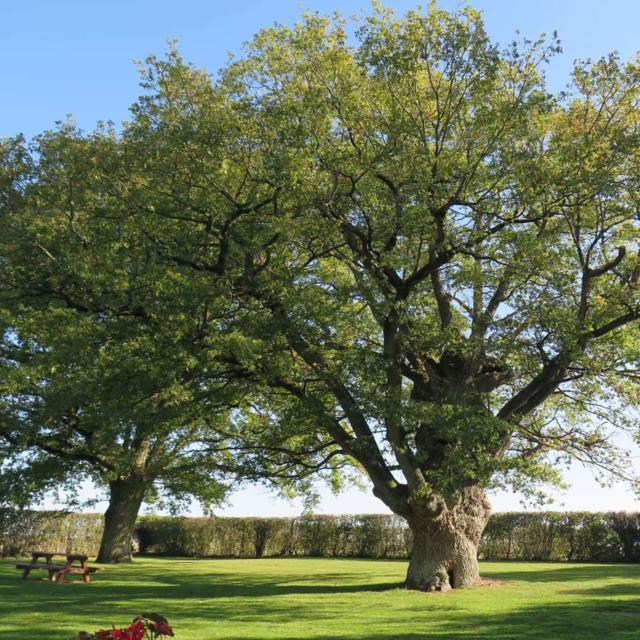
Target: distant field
(294, 599)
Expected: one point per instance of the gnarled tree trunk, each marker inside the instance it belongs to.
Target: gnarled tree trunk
(446, 535)
(125, 498)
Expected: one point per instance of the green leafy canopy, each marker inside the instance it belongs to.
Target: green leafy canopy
(419, 261)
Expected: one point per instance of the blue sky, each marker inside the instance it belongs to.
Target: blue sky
(76, 57)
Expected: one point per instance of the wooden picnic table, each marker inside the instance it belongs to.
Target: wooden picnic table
(75, 563)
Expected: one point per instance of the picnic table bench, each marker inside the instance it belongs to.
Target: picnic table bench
(75, 563)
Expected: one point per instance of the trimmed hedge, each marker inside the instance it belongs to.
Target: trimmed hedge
(578, 537)
(361, 536)
(24, 531)
(552, 536)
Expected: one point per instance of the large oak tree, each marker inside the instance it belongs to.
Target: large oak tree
(114, 366)
(437, 259)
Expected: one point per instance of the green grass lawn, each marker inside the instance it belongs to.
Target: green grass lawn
(318, 598)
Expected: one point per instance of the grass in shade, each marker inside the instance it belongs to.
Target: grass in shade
(330, 599)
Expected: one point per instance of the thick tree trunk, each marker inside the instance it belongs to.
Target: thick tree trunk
(125, 499)
(445, 541)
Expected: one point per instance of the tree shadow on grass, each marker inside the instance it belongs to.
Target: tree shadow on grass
(187, 587)
(19, 634)
(208, 594)
(609, 611)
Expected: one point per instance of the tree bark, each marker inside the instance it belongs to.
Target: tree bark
(446, 535)
(125, 498)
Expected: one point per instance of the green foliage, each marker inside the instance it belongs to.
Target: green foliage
(100, 375)
(395, 252)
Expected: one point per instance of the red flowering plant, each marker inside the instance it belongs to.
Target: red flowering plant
(147, 626)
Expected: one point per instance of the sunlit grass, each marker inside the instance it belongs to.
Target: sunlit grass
(318, 598)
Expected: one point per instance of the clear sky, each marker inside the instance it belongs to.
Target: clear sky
(75, 57)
